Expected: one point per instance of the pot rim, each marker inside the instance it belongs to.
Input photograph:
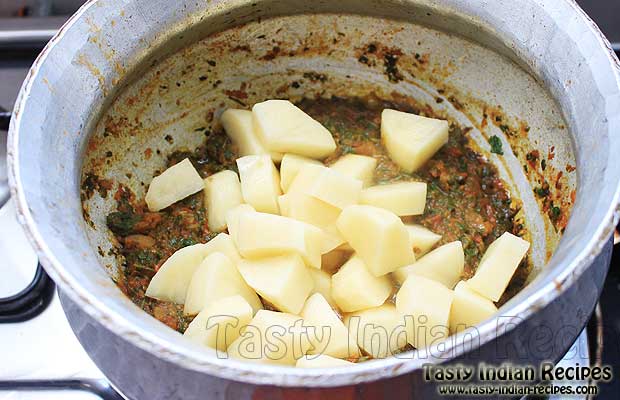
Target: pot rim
(236, 370)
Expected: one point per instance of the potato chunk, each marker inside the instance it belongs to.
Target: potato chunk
(378, 236)
(402, 198)
(220, 323)
(411, 140)
(444, 264)
(379, 331)
(422, 239)
(217, 277)
(260, 183)
(469, 308)
(290, 166)
(326, 332)
(355, 288)
(426, 303)
(308, 209)
(232, 219)
(327, 185)
(239, 127)
(283, 281)
(284, 128)
(497, 266)
(174, 184)
(321, 361)
(333, 260)
(322, 284)
(171, 281)
(356, 166)
(222, 193)
(267, 235)
(271, 338)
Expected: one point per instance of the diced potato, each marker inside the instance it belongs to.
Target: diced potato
(402, 198)
(378, 236)
(497, 266)
(356, 166)
(325, 184)
(321, 361)
(379, 331)
(425, 305)
(355, 288)
(171, 281)
(469, 308)
(332, 239)
(267, 235)
(333, 260)
(444, 264)
(239, 127)
(290, 166)
(174, 184)
(411, 140)
(232, 218)
(216, 278)
(260, 183)
(284, 128)
(271, 338)
(220, 323)
(322, 284)
(326, 332)
(284, 281)
(308, 209)
(222, 193)
(422, 239)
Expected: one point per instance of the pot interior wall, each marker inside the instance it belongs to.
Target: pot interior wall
(178, 99)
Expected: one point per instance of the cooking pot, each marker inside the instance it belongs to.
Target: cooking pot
(122, 84)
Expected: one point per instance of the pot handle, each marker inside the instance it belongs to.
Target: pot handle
(5, 119)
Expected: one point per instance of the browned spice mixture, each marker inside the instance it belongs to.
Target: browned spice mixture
(466, 200)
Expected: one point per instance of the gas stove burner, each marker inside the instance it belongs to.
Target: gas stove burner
(30, 302)
(98, 387)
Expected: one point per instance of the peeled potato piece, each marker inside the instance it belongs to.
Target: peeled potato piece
(220, 323)
(308, 209)
(260, 183)
(327, 185)
(284, 128)
(232, 218)
(322, 284)
(290, 166)
(217, 277)
(379, 331)
(171, 281)
(326, 332)
(267, 235)
(497, 266)
(422, 239)
(321, 361)
(271, 338)
(174, 184)
(444, 264)
(222, 193)
(356, 166)
(283, 281)
(469, 308)
(378, 236)
(402, 198)
(239, 127)
(355, 288)
(411, 140)
(426, 303)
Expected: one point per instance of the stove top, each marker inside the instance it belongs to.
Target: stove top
(39, 354)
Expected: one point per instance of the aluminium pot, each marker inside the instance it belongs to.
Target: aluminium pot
(135, 69)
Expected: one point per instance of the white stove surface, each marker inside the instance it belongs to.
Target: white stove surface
(44, 347)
